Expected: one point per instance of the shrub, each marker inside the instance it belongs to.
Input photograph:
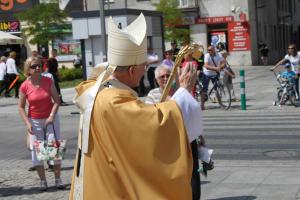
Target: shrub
(66, 74)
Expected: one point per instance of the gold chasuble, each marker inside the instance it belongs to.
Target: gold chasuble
(136, 151)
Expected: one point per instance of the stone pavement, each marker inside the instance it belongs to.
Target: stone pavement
(252, 180)
(18, 183)
(230, 180)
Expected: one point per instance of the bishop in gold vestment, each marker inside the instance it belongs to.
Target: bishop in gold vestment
(131, 150)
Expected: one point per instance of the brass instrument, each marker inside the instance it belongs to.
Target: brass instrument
(185, 50)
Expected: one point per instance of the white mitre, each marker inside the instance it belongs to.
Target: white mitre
(128, 46)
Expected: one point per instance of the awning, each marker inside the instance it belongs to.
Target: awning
(7, 38)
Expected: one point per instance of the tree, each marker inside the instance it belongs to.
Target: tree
(172, 18)
(44, 22)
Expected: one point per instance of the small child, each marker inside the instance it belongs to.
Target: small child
(288, 74)
(226, 76)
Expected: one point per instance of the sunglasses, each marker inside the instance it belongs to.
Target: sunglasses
(34, 66)
(164, 76)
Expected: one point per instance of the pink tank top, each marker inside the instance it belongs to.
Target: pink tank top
(39, 98)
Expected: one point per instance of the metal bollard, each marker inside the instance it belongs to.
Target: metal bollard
(242, 89)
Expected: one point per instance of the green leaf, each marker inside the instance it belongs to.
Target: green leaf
(45, 22)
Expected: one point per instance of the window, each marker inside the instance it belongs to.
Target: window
(183, 3)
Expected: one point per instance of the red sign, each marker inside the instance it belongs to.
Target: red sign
(10, 26)
(238, 36)
(214, 20)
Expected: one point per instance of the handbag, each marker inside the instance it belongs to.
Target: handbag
(50, 149)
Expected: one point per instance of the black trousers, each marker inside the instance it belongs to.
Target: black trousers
(3, 86)
(195, 182)
(151, 77)
(55, 77)
(10, 79)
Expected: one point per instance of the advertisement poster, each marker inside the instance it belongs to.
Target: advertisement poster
(238, 35)
(218, 40)
(10, 26)
(67, 48)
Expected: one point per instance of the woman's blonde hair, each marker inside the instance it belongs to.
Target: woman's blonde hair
(12, 54)
(28, 63)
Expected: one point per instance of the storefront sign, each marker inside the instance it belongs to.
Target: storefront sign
(238, 36)
(12, 26)
(15, 5)
(188, 20)
(214, 20)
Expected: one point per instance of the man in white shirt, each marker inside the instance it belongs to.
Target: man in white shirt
(12, 74)
(3, 82)
(213, 64)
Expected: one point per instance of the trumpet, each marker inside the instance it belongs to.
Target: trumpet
(194, 48)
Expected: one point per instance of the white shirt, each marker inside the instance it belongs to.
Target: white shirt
(294, 60)
(153, 58)
(191, 113)
(207, 59)
(11, 66)
(2, 71)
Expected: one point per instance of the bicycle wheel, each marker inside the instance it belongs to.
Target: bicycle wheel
(224, 97)
(282, 99)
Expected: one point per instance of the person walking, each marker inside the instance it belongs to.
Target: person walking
(168, 59)
(52, 66)
(264, 52)
(12, 75)
(3, 80)
(43, 103)
(293, 56)
(226, 76)
(151, 157)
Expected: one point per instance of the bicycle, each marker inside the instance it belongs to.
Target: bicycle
(220, 91)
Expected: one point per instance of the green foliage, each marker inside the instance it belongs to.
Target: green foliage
(66, 74)
(172, 17)
(45, 22)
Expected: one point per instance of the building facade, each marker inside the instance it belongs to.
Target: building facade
(239, 25)
(86, 27)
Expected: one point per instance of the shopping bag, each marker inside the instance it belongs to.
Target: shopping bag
(50, 149)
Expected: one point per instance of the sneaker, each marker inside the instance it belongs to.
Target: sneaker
(63, 103)
(31, 168)
(43, 185)
(50, 168)
(59, 184)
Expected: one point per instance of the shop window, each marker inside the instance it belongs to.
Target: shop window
(67, 48)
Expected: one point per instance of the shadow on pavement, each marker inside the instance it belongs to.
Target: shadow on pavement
(18, 191)
(66, 168)
(205, 182)
(236, 198)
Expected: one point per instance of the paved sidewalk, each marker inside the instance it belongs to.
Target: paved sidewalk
(252, 180)
(16, 183)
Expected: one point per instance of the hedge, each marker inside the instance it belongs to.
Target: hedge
(66, 74)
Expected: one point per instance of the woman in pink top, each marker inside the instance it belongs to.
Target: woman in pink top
(43, 102)
(188, 60)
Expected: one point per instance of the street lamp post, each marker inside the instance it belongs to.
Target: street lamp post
(103, 31)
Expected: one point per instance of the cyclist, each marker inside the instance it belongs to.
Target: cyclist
(213, 64)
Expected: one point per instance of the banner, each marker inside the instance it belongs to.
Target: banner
(67, 48)
(239, 37)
